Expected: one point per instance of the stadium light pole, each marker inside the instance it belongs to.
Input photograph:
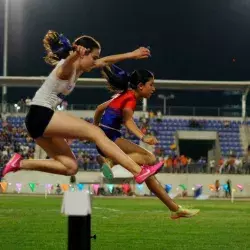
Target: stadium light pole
(5, 52)
(144, 105)
(165, 98)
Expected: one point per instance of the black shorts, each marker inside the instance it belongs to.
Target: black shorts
(37, 120)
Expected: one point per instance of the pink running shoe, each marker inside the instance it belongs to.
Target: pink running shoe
(148, 171)
(155, 168)
(13, 164)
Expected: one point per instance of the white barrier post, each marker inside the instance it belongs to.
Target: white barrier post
(77, 206)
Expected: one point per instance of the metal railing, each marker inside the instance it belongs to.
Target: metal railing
(178, 110)
(170, 111)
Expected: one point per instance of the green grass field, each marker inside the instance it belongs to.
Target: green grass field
(134, 224)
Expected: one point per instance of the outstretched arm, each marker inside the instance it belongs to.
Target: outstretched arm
(140, 53)
(99, 111)
(130, 123)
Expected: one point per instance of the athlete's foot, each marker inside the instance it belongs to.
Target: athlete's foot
(13, 165)
(148, 171)
(155, 168)
(106, 169)
(184, 213)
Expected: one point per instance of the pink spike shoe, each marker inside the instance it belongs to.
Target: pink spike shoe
(13, 164)
(148, 171)
(155, 168)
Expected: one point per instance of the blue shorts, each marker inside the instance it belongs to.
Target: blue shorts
(111, 134)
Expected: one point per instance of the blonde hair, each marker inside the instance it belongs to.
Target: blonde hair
(51, 38)
(64, 47)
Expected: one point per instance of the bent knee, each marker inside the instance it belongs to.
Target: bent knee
(151, 159)
(71, 171)
(72, 168)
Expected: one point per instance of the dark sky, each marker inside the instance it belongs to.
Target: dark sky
(1, 34)
(189, 40)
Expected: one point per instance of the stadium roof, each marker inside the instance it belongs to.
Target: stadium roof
(18, 81)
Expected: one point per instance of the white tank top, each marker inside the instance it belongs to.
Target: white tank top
(53, 90)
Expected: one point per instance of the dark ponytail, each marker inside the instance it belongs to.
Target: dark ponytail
(119, 80)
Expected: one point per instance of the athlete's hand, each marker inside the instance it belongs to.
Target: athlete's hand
(149, 139)
(100, 63)
(141, 53)
(81, 51)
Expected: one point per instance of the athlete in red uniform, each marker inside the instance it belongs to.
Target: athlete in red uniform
(110, 116)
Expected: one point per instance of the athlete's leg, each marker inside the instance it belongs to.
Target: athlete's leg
(139, 155)
(63, 161)
(65, 125)
(153, 184)
(142, 156)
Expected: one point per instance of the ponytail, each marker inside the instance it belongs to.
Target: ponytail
(118, 79)
(57, 47)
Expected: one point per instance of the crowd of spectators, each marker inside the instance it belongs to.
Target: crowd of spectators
(15, 139)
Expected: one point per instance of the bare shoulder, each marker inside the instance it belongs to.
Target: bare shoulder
(65, 71)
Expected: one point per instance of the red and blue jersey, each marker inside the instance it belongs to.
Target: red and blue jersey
(112, 116)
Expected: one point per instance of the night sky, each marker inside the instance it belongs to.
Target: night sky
(191, 40)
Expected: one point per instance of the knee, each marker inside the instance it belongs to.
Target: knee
(72, 169)
(151, 159)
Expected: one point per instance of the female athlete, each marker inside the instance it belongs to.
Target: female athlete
(110, 116)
